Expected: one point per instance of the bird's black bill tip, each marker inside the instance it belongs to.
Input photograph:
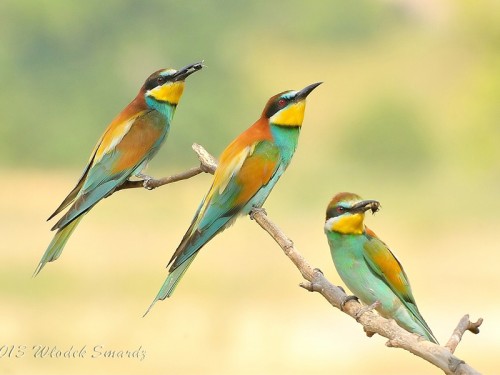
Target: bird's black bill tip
(199, 65)
(185, 72)
(196, 66)
(307, 90)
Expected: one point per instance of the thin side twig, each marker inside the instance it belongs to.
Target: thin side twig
(154, 183)
(464, 325)
(208, 164)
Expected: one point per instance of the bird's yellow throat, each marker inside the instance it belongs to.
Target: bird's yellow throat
(349, 224)
(293, 115)
(169, 92)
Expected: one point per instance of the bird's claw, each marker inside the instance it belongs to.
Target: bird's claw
(146, 180)
(365, 309)
(347, 299)
(256, 210)
(146, 183)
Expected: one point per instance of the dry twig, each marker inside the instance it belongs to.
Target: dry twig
(208, 164)
(464, 325)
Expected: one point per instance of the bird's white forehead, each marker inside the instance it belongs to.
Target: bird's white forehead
(289, 94)
(168, 72)
(349, 203)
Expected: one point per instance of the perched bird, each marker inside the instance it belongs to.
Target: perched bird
(131, 140)
(367, 266)
(248, 170)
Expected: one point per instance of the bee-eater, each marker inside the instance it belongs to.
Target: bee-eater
(248, 170)
(131, 140)
(367, 266)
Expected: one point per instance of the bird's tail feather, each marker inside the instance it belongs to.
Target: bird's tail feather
(171, 282)
(429, 335)
(417, 324)
(57, 244)
(424, 328)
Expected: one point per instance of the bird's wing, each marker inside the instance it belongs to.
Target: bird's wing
(240, 176)
(385, 265)
(122, 149)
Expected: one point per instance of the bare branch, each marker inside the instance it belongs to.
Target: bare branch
(153, 183)
(440, 356)
(208, 164)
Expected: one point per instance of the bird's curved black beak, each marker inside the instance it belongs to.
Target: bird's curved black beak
(302, 94)
(364, 206)
(185, 72)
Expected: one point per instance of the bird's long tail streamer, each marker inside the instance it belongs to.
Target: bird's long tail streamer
(171, 282)
(57, 244)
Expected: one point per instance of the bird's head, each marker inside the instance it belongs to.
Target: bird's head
(346, 213)
(287, 108)
(165, 86)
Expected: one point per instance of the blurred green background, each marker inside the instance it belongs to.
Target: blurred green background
(409, 114)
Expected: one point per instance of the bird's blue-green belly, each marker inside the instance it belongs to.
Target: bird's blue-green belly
(358, 277)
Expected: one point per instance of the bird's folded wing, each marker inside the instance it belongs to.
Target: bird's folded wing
(110, 165)
(385, 265)
(236, 182)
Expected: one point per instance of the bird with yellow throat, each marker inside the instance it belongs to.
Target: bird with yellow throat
(130, 141)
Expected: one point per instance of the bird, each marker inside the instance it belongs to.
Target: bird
(248, 169)
(367, 266)
(130, 141)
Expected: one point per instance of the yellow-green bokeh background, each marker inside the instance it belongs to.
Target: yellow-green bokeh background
(409, 114)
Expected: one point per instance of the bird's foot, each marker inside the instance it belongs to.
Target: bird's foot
(347, 299)
(143, 176)
(256, 210)
(365, 309)
(147, 180)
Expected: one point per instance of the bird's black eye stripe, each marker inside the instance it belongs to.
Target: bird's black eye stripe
(153, 82)
(278, 104)
(336, 211)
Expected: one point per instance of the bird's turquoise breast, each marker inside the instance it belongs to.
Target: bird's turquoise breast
(286, 138)
(347, 255)
(348, 260)
(165, 109)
